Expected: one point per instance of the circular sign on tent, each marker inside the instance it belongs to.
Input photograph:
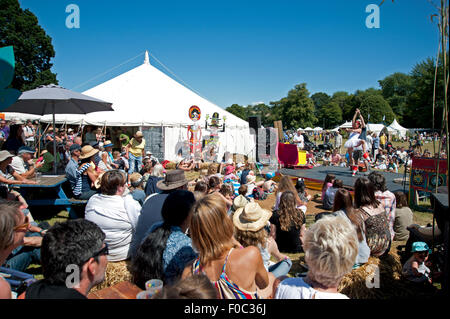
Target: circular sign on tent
(195, 113)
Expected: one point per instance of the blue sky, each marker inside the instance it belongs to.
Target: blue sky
(240, 51)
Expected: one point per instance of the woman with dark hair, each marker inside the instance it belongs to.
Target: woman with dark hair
(327, 183)
(214, 184)
(287, 222)
(14, 140)
(343, 206)
(373, 213)
(330, 193)
(115, 214)
(166, 249)
(285, 185)
(403, 217)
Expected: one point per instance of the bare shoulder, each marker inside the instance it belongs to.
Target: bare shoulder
(250, 253)
(5, 289)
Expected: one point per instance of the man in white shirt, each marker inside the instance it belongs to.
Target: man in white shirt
(23, 164)
(299, 140)
(338, 141)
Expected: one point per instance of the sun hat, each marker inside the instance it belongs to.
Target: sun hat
(239, 202)
(230, 161)
(25, 149)
(88, 151)
(239, 165)
(251, 217)
(420, 246)
(229, 170)
(139, 134)
(136, 179)
(172, 180)
(108, 143)
(4, 155)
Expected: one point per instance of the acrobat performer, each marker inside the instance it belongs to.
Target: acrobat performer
(357, 141)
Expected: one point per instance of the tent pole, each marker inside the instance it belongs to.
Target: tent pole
(54, 140)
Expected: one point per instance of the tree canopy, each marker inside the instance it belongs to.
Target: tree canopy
(33, 48)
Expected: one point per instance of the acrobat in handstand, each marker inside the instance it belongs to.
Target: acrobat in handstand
(356, 141)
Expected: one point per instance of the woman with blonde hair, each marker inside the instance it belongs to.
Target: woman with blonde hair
(331, 245)
(236, 273)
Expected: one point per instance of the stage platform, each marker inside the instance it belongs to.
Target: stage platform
(314, 177)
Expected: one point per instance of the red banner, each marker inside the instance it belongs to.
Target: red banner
(429, 165)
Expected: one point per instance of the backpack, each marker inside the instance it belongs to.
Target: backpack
(259, 194)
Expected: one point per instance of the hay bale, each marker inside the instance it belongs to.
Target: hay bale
(115, 272)
(391, 284)
(171, 165)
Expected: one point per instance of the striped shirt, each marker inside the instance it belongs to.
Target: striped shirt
(78, 186)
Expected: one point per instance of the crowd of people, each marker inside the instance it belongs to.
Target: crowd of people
(209, 232)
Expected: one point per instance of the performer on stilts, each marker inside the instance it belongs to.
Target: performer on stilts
(357, 141)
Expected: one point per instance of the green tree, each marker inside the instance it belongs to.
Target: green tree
(331, 115)
(344, 100)
(419, 112)
(375, 105)
(238, 110)
(33, 48)
(297, 109)
(320, 100)
(264, 111)
(395, 89)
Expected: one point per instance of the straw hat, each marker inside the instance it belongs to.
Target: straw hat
(173, 180)
(251, 217)
(239, 202)
(139, 134)
(136, 179)
(108, 143)
(4, 155)
(88, 151)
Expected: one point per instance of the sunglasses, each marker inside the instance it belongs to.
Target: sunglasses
(23, 227)
(103, 251)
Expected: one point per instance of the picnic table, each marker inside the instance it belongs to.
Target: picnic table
(122, 290)
(49, 182)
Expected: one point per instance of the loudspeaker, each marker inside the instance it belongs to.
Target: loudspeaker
(254, 123)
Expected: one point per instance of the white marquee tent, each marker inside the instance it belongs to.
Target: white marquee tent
(146, 97)
(398, 129)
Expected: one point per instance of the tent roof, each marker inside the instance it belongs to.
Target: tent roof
(146, 96)
(396, 126)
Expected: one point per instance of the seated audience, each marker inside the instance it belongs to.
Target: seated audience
(73, 261)
(236, 273)
(403, 217)
(327, 183)
(193, 287)
(386, 197)
(286, 224)
(166, 248)
(330, 247)
(136, 188)
(115, 214)
(8, 175)
(336, 158)
(251, 228)
(343, 206)
(23, 162)
(327, 158)
(157, 174)
(86, 174)
(330, 192)
(415, 269)
(300, 187)
(13, 227)
(378, 235)
(286, 184)
(269, 185)
(152, 209)
(201, 187)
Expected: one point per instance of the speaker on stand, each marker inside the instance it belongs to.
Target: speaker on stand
(255, 124)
